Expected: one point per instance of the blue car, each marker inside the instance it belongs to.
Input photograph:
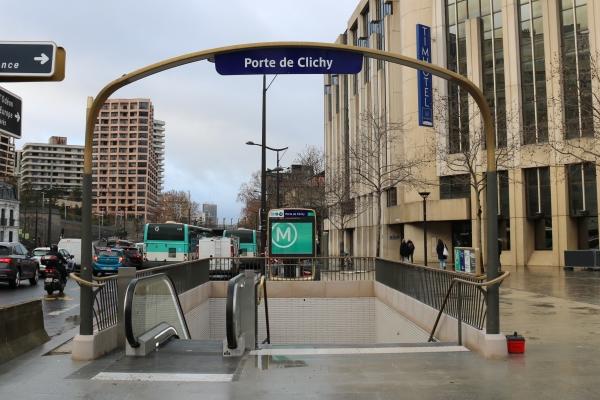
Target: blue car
(108, 261)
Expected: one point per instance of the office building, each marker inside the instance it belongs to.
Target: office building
(159, 149)
(210, 214)
(536, 63)
(7, 156)
(53, 164)
(125, 163)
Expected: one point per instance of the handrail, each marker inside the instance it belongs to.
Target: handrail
(479, 285)
(81, 281)
(133, 342)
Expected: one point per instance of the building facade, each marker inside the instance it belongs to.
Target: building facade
(53, 164)
(209, 211)
(7, 155)
(159, 149)
(535, 61)
(9, 213)
(125, 163)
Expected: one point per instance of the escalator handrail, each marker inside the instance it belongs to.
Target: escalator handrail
(231, 323)
(131, 339)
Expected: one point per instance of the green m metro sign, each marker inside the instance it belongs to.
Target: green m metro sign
(292, 233)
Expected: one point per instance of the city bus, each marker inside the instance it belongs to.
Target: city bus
(173, 242)
(249, 241)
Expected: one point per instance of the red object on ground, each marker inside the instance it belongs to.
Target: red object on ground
(515, 343)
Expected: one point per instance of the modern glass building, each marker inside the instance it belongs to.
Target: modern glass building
(536, 62)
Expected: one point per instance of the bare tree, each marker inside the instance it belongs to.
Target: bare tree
(342, 207)
(374, 168)
(176, 205)
(461, 150)
(249, 196)
(575, 112)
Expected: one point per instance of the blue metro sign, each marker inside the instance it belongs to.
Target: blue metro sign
(288, 60)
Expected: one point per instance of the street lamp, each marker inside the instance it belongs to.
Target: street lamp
(263, 168)
(424, 195)
(277, 170)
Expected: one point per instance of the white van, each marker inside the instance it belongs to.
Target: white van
(73, 246)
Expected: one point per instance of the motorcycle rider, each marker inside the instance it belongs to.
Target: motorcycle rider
(62, 262)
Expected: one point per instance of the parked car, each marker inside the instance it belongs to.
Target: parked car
(17, 264)
(108, 260)
(73, 246)
(133, 257)
(37, 254)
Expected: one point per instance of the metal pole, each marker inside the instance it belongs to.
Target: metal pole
(425, 230)
(49, 239)
(277, 180)
(493, 293)
(263, 171)
(86, 299)
(36, 225)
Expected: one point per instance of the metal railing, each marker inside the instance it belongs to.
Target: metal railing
(433, 287)
(105, 300)
(185, 276)
(295, 268)
(459, 282)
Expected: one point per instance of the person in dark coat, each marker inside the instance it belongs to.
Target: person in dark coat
(403, 251)
(410, 248)
(442, 255)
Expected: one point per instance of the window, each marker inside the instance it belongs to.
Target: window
(533, 72)
(391, 197)
(10, 236)
(457, 13)
(503, 210)
(539, 207)
(364, 42)
(354, 32)
(455, 187)
(576, 69)
(582, 189)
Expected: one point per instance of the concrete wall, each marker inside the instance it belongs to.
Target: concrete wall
(21, 329)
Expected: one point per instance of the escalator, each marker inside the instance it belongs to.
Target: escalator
(154, 319)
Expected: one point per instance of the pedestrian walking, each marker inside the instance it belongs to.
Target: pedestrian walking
(442, 253)
(410, 248)
(403, 251)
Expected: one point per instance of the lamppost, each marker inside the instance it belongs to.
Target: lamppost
(424, 195)
(263, 167)
(277, 170)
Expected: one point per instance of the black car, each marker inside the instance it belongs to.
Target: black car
(17, 264)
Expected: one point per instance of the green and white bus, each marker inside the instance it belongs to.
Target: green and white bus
(249, 240)
(173, 242)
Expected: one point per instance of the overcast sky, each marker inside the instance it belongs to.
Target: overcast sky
(209, 117)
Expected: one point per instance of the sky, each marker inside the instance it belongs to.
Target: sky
(209, 117)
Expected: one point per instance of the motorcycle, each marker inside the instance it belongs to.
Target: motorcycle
(53, 280)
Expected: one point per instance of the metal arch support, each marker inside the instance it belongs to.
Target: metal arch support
(94, 105)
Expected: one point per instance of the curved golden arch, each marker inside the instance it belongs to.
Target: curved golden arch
(94, 105)
(470, 87)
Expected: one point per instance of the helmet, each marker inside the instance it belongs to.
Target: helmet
(54, 248)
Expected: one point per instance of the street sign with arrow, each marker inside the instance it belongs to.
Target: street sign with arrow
(10, 113)
(31, 61)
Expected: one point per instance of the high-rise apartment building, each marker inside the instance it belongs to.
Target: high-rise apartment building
(125, 163)
(7, 156)
(536, 62)
(159, 149)
(52, 164)
(210, 214)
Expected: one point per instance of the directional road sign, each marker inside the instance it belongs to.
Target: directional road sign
(10, 113)
(27, 59)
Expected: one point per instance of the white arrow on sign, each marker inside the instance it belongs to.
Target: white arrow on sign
(18, 117)
(43, 59)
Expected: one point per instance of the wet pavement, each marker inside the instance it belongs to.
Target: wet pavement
(562, 361)
(61, 313)
(578, 285)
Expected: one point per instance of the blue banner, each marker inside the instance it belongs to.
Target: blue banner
(424, 78)
(288, 60)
